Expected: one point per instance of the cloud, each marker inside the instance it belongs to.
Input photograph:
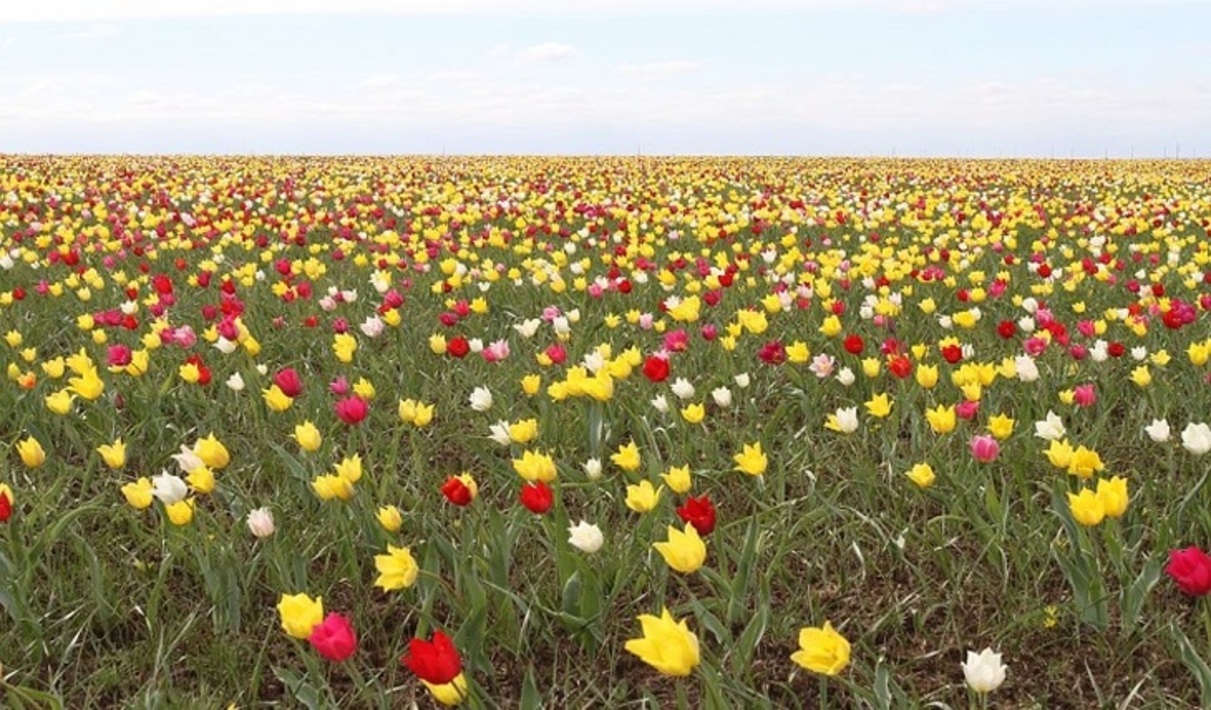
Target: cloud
(98, 31)
(657, 70)
(546, 52)
(109, 10)
(497, 109)
(380, 81)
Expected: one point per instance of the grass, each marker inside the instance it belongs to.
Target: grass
(106, 606)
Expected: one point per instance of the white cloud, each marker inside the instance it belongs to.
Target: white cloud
(379, 81)
(546, 52)
(97, 10)
(658, 70)
(98, 31)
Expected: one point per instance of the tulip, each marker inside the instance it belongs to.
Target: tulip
(585, 537)
(537, 497)
(642, 497)
(1190, 569)
(390, 518)
(684, 551)
(983, 671)
(436, 661)
(921, 474)
(1196, 438)
(460, 490)
(822, 650)
(627, 458)
(300, 614)
(751, 460)
(31, 452)
(139, 494)
(114, 455)
(260, 523)
(396, 570)
(307, 436)
(984, 448)
(535, 466)
(667, 644)
(334, 638)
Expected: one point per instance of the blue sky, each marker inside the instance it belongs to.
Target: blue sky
(820, 77)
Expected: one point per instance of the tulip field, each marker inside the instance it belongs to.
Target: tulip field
(604, 432)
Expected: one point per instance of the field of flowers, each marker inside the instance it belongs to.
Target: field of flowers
(604, 433)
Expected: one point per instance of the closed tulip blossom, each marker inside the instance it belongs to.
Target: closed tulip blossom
(1190, 570)
(984, 672)
(1196, 438)
(334, 638)
(436, 661)
(985, 448)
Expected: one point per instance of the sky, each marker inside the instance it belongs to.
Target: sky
(966, 78)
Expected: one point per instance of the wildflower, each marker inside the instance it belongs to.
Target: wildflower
(307, 436)
(667, 645)
(31, 452)
(983, 671)
(537, 497)
(1158, 430)
(585, 537)
(942, 419)
(460, 490)
(1113, 495)
(677, 478)
(396, 570)
(751, 460)
(138, 494)
(1087, 508)
(984, 448)
(1196, 438)
(921, 474)
(698, 512)
(879, 406)
(627, 457)
(389, 518)
(114, 455)
(435, 661)
(822, 650)
(1190, 569)
(212, 452)
(535, 466)
(181, 512)
(300, 614)
(334, 638)
(168, 488)
(684, 551)
(642, 497)
(844, 420)
(260, 523)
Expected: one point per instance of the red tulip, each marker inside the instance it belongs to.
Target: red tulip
(699, 512)
(334, 638)
(537, 497)
(6, 508)
(352, 410)
(458, 347)
(289, 382)
(656, 368)
(457, 492)
(1191, 571)
(772, 353)
(435, 661)
(854, 344)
